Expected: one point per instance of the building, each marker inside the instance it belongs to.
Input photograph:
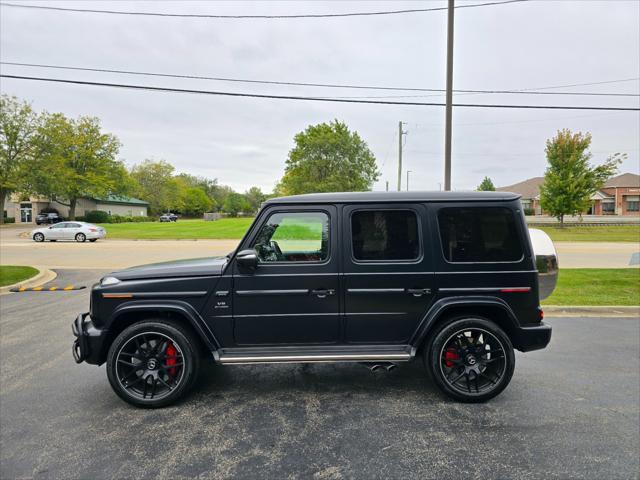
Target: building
(24, 210)
(620, 195)
(529, 190)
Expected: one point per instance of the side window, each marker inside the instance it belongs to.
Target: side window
(60, 225)
(385, 235)
(294, 237)
(479, 234)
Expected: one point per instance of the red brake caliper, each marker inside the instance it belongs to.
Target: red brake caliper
(171, 358)
(450, 354)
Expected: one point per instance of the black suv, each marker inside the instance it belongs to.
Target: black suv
(46, 218)
(377, 278)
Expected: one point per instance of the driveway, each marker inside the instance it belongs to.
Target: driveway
(113, 254)
(571, 411)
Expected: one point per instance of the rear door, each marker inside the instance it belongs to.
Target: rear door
(292, 295)
(388, 273)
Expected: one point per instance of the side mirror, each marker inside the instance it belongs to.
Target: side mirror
(247, 259)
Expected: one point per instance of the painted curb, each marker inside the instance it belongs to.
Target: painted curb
(591, 311)
(44, 276)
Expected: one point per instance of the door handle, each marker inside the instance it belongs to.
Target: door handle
(323, 292)
(418, 292)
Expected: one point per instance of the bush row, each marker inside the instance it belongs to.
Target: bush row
(98, 216)
(9, 220)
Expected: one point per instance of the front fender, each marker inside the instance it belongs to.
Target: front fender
(440, 308)
(183, 309)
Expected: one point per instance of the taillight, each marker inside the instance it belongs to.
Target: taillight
(93, 229)
(540, 314)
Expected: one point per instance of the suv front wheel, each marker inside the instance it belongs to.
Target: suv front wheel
(470, 359)
(153, 363)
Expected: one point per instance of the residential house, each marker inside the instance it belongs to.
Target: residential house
(24, 210)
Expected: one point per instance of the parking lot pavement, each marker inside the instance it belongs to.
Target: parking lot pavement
(571, 411)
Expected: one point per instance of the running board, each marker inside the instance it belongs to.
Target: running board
(386, 353)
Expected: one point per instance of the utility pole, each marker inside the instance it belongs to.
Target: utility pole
(400, 133)
(408, 172)
(447, 127)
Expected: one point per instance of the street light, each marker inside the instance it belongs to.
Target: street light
(408, 172)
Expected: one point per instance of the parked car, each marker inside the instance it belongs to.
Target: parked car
(169, 217)
(78, 231)
(382, 278)
(47, 218)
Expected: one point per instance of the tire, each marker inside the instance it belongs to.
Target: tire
(92, 240)
(133, 385)
(81, 237)
(470, 359)
(38, 237)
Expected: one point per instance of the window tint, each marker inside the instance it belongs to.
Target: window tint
(294, 237)
(60, 225)
(385, 235)
(479, 234)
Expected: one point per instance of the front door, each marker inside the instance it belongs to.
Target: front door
(292, 296)
(388, 272)
(57, 231)
(26, 214)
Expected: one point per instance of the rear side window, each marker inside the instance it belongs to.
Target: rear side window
(479, 234)
(385, 235)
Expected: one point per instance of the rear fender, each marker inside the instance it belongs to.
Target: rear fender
(445, 306)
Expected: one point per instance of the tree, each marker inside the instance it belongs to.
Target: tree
(157, 185)
(234, 204)
(569, 181)
(486, 185)
(328, 158)
(18, 125)
(195, 202)
(79, 159)
(255, 197)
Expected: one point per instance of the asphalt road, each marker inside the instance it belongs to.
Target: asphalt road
(113, 254)
(571, 411)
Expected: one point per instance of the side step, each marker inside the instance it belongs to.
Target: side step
(342, 353)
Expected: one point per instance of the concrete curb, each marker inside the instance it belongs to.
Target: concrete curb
(44, 276)
(591, 311)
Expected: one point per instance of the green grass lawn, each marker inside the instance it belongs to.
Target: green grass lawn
(225, 228)
(621, 233)
(597, 286)
(10, 274)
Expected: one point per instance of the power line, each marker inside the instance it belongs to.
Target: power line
(263, 17)
(528, 91)
(305, 98)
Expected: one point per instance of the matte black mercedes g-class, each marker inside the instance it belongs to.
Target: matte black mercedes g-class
(357, 277)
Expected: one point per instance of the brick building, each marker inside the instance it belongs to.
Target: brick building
(619, 196)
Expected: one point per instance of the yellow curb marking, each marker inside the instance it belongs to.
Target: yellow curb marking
(36, 289)
(68, 287)
(22, 289)
(53, 289)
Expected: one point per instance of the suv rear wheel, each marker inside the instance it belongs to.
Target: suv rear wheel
(470, 359)
(153, 363)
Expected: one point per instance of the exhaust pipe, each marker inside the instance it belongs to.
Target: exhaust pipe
(388, 366)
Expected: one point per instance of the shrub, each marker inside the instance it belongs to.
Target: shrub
(9, 220)
(529, 211)
(96, 216)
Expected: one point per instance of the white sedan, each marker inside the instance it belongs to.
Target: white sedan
(78, 231)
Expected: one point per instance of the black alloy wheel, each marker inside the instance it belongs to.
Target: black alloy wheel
(38, 237)
(471, 359)
(153, 363)
(81, 237)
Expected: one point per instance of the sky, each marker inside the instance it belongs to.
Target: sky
(245, 141)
